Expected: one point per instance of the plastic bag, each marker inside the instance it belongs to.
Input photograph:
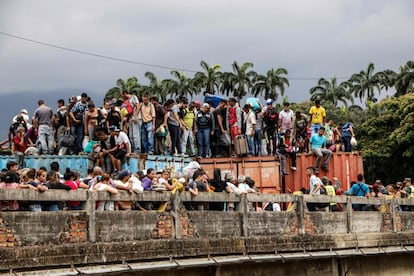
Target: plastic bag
(353, 141)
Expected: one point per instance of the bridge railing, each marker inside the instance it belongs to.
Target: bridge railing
(245, 215)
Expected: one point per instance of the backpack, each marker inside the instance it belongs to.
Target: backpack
(127, 109)
(271, 117)
(345, 130)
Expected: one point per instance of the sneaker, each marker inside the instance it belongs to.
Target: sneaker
(176, 155)
(199, 157)
(293, 168)
(183, 155)
(285, 173)
(325, 168)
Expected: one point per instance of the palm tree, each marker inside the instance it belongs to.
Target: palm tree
(209, 80)
(332, 92)
(365, 83)
(155, 87)
(404, 82)
(226, 85)
(180, 85)
(269, 84)
(241, 79)
(131, 86)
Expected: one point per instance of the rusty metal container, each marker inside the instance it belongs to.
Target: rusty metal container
(343, 165)
(263, 170)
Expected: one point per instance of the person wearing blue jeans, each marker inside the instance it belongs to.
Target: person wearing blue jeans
(43, 116)
(148, 125)
(205, 124)
(77, 114)
(250, 121)
(319, 149)
(147, 134)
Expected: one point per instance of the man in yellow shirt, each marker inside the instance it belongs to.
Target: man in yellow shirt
(189, 129)
(317, 117)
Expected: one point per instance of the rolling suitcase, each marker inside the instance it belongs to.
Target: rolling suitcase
(241, 147)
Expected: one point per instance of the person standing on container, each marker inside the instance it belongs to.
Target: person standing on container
(346, 136)
(250, 121)
(77, 117)
(286, 117)
(43, 116)
(134, 122)
(148, 125)
(205, 126)
(317, 117)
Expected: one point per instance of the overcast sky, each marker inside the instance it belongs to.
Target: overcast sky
(311, 39)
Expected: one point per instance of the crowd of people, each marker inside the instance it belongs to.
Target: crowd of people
(324, 185)
(193, 179)
(130, 126)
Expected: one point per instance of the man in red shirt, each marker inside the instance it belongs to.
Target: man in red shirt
(20, 145)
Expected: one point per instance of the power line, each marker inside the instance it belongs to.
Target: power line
(97, 55)
(126, 60)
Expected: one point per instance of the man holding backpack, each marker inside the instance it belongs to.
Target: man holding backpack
(133, 119)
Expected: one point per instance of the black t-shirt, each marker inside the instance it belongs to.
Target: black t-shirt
(216, 113)
(114, 118)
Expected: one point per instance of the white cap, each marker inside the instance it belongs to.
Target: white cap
(206, 105)
(23, 111)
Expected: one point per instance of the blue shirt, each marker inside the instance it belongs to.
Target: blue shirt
(358, 189)
(318, 141)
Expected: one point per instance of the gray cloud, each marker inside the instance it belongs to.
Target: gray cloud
(309, 38)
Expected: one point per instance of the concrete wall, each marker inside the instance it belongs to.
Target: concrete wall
(81, 237)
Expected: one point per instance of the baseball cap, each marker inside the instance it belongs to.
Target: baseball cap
(23, 111)
(206, 105)
(114, 128)
(124, 173)
(269, 101)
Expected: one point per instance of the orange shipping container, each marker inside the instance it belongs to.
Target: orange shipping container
(263, 170)
(266, 170)
(343, 165)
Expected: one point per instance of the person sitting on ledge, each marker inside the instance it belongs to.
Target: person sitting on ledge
(319, 149)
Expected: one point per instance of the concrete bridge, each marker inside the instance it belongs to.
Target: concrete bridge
(239, 242)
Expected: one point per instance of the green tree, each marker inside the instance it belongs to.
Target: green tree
(241, 79)
(404, 82)
(180, 85)
(366, 82)
(268, 85)
(387, 138)
(209, 79)
(131, 85)
(155, 87)
(330, 91)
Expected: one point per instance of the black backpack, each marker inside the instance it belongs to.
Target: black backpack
(271, 117)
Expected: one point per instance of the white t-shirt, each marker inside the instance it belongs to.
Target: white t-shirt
(122, 139)
(286, 118)
(313, 182)
(250, 121)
